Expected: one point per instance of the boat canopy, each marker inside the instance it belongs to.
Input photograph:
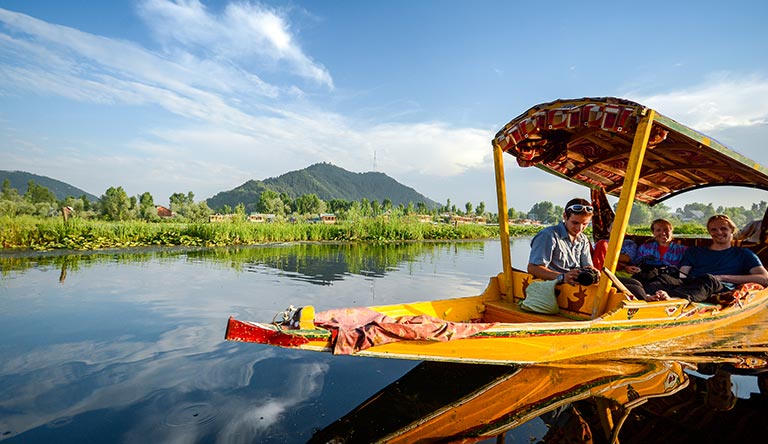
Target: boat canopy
(589, 141)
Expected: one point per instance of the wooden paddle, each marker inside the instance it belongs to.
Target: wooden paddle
(618, 284)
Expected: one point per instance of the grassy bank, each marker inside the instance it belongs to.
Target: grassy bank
(78, 234)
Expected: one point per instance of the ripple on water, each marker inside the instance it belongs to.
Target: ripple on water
(59, 422)
(191, 415)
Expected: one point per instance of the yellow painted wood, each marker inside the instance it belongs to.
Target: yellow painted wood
(501, 197)
(626, 199)
(307, 317)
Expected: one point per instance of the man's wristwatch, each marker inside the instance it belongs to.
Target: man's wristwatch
(560, 278)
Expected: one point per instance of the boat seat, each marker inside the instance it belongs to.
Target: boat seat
(502, 311)
(575, 301)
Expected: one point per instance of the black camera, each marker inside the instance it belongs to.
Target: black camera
(587, 276)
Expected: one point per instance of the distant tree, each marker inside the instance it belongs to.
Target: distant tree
(147, 209)
(240, 212)
(114, 204)
(9, 193)
(448, 207)
(480, 210)
(375, 208)
(182, 204)
(640, 215)
(468, 207)
(410, 208)
(365, 207)
(544, 212)
(386, 205)
(338, 206)
(86, 202)
(309, 204)
(739, 215)
(288, 203)
(271, 203)
(199, 212)
(180, 199)
(38, 193)
(422, 208)
(660, 211)
(226, 209)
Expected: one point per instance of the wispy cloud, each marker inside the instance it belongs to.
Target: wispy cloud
(722, 102)
(242, 33)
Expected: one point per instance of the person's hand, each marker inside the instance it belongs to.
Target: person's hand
(660, 295)
(632, 269)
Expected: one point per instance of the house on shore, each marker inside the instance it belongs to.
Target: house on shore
(164, 212)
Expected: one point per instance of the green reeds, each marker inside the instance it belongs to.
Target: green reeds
(79, 234)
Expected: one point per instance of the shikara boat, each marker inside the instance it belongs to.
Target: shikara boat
(448, 402)
(614, 146)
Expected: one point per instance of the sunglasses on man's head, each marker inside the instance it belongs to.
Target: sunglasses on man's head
(579, 208)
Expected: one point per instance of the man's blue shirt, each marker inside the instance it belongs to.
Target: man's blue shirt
(552, 248)
(733, 261)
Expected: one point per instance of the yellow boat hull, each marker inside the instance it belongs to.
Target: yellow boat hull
(517, 336)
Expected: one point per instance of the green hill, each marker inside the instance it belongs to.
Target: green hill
(327, 182)
(20, 180)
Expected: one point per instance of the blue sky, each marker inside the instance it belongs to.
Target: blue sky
(176, 96)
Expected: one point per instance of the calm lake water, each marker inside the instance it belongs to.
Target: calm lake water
(128, 347)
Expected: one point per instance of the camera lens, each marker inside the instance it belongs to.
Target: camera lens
(586, 277)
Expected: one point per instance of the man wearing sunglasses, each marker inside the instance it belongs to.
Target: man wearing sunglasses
(560, 252)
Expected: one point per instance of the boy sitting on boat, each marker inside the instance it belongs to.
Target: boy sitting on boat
(561, 252)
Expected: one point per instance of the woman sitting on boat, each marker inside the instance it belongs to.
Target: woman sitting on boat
(661, 250)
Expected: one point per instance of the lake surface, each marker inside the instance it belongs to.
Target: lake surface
(128, 347)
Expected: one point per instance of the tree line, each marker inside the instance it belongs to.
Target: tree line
(642, 215)
(116, 205)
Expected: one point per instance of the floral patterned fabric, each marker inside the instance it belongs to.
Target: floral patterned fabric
(732, 297)
(603, 216)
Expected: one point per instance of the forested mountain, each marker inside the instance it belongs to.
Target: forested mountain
(20, 179)
(327, 182)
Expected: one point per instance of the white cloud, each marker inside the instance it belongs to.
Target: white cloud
(723, 101)
(243, 32)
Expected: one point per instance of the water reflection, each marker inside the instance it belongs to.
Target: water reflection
(596, 402)
(313, 263)
(445, 402)
(119, 347)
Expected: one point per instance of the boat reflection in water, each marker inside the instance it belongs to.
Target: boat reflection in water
(717, 392)
(469, 403)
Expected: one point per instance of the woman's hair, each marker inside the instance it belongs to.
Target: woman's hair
(661, 221)
(722, 217)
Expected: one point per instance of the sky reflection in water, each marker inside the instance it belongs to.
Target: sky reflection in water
(129, 348)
